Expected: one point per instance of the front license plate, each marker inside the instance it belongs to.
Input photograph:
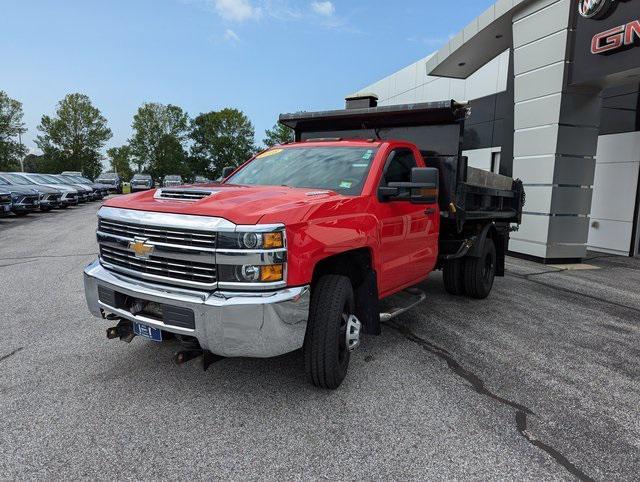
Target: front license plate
(147, 332)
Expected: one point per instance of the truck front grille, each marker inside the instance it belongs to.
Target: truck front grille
(179, 237)
(170, 269)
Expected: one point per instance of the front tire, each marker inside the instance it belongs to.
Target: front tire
(326, 354)
(479, 273)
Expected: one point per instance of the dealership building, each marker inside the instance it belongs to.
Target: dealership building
(554, 91)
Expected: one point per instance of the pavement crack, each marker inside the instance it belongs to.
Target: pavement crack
(17, 263)
(573, 292)
(474, 380)
(521, 423)
(8, 355)
(522, 412)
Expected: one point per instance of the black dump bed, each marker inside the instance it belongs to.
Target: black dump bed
(436, 128)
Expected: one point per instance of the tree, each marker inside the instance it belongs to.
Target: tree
(169, 158)
(150, 124)
(11, 127)
(73, 138)
(222, 138)
(278, 134)
(120, 160)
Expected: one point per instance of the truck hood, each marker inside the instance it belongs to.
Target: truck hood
(236, 203)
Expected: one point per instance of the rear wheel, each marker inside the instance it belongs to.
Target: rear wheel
(453, 276)
(479, 273)
(332, 331)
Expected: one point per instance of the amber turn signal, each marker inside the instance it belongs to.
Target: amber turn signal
(272, 240)
(271, 272)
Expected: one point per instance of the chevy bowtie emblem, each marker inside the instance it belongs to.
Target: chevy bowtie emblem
(140, 247)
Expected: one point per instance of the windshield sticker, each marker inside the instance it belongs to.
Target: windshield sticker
(365, 165)
(346, 184)
(367, 155)
(268, 153)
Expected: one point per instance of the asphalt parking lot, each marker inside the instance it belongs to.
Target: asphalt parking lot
(540, 381)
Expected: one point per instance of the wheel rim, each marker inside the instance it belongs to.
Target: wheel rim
(348, 336)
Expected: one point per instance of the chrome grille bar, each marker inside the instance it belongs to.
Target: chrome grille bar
(164, 235)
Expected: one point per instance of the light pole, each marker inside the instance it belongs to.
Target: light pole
(21, 157)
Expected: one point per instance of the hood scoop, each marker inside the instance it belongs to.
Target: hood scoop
(184, 194)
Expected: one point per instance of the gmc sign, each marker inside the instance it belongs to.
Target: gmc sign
(616, 38)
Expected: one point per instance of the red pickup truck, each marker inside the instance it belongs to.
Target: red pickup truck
(306, 245)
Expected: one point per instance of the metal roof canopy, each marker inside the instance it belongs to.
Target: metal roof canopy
(428, 113)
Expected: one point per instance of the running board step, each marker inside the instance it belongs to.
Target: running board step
(397, 304)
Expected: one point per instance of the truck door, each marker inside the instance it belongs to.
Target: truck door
(408, 232)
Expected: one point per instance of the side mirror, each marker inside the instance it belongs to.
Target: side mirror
(422, 189)
(425, 182)
(226, 171)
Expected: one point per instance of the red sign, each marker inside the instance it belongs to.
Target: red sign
(616, 38)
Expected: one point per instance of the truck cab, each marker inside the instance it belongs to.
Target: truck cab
(306, 245)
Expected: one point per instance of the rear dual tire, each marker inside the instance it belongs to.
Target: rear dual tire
(472, 276)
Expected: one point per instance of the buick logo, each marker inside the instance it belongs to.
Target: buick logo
(595, 8)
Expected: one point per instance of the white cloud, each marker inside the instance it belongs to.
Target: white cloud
(237, 10)
(323, 8)
(231, 36)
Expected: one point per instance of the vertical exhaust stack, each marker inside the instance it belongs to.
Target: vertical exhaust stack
(361, 101)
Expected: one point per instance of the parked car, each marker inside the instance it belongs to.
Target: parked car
(141, 182)
(96, 191)
(69, 194)
(172, 180)
(49, 197)
(307, 245)
(111, 179)
(5, 201)
(202, 180)
(85, 193)
(23, 199)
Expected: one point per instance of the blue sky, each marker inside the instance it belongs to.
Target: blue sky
(261, 56)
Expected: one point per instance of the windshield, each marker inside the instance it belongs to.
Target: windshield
(3, 182)
(173, 178)
(51, 179)
(340, 169)
(15, 179)
(37, 178)
(107, 175)
(141, 177)
(74, 179)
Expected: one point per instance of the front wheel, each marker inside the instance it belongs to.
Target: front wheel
(332, 331)
(479, 273)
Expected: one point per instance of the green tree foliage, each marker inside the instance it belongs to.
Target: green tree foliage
(278, 134)
(120, 161)
(169, 158)
(220, 138)
(73, 138)
(11, 127)
(150, 125)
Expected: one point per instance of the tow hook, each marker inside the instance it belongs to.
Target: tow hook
(123, 330)
(208, 358)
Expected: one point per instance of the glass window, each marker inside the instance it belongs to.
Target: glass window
(340, 169)
(399, 166)
(16, 179)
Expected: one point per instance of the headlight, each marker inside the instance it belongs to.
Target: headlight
(251, 240)
(248, 273)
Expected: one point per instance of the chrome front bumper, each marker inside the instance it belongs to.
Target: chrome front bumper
(229, 324)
